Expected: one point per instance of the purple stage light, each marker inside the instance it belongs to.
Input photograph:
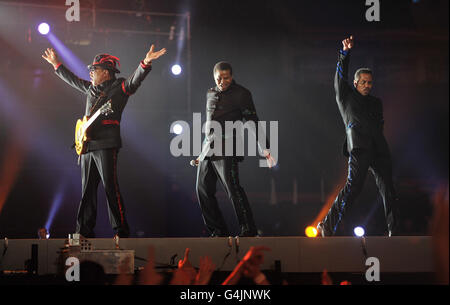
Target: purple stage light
(44, 28)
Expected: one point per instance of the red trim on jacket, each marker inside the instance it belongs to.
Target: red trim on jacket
(125, 90)
(57, 66)
(144, 66)
(116, 187)
(110, 122)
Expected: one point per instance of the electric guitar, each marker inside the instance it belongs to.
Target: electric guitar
(83, 125)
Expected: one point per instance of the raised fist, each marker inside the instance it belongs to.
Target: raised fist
(347, 43)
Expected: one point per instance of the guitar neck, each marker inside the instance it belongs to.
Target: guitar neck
(92, 119)
(106, 108)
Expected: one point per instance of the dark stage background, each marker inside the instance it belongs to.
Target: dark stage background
(285, 52)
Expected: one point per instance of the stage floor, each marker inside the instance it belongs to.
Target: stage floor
(399, 254)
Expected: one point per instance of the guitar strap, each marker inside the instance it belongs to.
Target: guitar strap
(102, 95)
(91, 111)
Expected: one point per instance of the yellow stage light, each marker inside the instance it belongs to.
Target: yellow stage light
(311, 231)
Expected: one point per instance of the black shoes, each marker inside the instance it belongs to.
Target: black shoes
(392, 230)
(391, 233)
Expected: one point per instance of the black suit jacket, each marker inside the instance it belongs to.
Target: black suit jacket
(362, 115)
(234, 104)
(105, 131)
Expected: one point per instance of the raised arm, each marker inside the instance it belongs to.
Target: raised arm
(341, 85)
(132, 83)
(249, 266)
(65, 74)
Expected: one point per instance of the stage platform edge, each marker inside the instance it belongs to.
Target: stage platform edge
(397, 254)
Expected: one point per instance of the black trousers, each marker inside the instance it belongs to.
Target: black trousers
(95, 166)
(227, 172)
(359, 162)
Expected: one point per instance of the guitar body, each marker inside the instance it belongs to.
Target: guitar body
(83, 124)
(80, 136)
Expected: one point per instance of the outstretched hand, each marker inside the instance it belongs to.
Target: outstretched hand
(152, 55)
(347, 43)
(252, 263)
(271, 162)
(185, 274)
(249, 266)
(255, 255)
(50, 56)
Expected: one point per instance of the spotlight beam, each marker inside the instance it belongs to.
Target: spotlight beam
(72, 61)
(57, 200)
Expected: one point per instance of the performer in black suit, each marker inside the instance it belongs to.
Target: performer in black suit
(104, 141)
(230, 102)
(365, 145)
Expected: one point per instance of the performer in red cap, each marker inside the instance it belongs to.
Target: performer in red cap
(99, 160)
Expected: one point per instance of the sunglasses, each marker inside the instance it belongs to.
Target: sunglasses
(93, 68)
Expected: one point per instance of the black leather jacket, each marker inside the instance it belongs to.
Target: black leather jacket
(234, 104)
(362, 115)
(105, 131)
